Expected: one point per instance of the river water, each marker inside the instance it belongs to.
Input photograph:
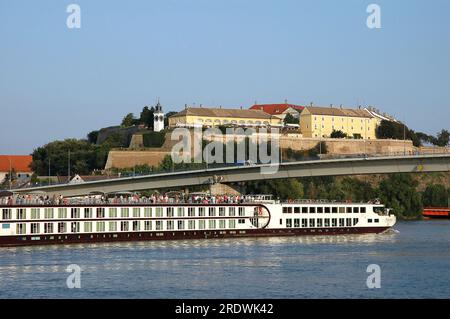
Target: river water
(414, 261)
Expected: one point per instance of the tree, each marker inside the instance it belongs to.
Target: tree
(398, 192)
(425, 138)
(290, 119)
(128, 120)
(397, 131)
(320, 148)
(435, 195)
(147, 117)
(338, 134)
(83, 157)
(92, 137)
(443, 138)
(283, 189)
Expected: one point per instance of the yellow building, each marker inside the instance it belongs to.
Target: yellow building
(211, 117)
(321, 121)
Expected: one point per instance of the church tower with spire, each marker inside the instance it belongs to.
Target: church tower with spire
(158, 122)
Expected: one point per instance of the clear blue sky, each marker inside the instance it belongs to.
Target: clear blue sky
(57, 83)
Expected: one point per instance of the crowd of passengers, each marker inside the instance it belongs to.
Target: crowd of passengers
(31, 199)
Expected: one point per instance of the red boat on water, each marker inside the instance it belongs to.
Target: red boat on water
(436, 212)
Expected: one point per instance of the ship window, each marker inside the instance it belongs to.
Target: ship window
(62, 228)
(101, 212)
(136, 212)
(35, 228)
(241, 211)
(201, 211)
(376, 220)
(312, 210)
(297, 222)
(296, 210)
(212, 224)
(327, 210)
(304, 222)
(281, 221)
(320, 210)
(356, 209)
(349, 209)
(289, 223)
(231, 211)
(124, 212)
(74, 212)
(159, 225)
(180, 211)
(191, 224)
(62, 213)
(35, 212)
(88, 212)
(327, 222)
(341, 222)
(147, 212)
(180, 224)
(148, 225)
(232, 223)
(222, 224)
(319, 222)
(221, 211)
(334, 222)
(341, 210)
(88, 227)
(285, 210)
(191, 211)
(348, 222)
(170, 212)
(100, 227)
(312, 222)
(123, 225)
(363, 210)
(212, 211)
(112, 212)
(355, 221)
(20, 229)
(21, 213)
(304, 210)
(48, 228)
(241, 221)
(159, 212)
(136, 225)
(75, 227)
(369, 220)
(289, 210)
(334, 210)
(170, 225)
(201, 224)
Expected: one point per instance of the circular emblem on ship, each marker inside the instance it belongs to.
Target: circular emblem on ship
(261, 217)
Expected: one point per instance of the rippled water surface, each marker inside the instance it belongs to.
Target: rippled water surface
(414, 261)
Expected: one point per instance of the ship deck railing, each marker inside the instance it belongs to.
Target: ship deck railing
(327, 201)
(112, 202)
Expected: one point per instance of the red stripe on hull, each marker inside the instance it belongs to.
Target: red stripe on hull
(26, 240)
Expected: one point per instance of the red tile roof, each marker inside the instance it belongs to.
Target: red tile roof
(19, 163)
(274, 109)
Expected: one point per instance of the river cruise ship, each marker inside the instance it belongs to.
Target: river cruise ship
(92, 220)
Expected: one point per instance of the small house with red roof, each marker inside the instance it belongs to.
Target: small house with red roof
(279, 110)
(19, 165)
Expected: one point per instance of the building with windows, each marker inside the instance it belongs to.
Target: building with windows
(279, 110)
(213, 117)
(322, 121)
(18, 165)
